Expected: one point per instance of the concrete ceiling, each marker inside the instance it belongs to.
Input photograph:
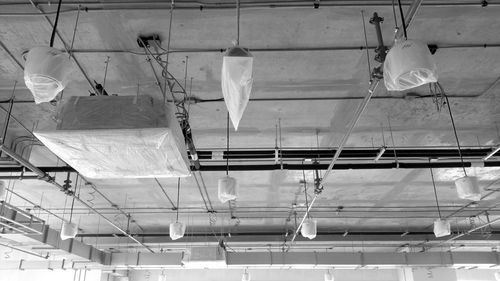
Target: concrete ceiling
(394, 200)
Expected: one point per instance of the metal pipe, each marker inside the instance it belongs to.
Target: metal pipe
(24, 251)
(275, 49)
(354, 121)
(297, 167)
(91, 6)
(44, 176)
(492, 153)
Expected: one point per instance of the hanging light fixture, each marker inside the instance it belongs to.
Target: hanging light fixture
(236, 77)
(177, 229)
(228, 186)
(408, 64)
(441, 227)
(309, 227)
(47, 70)
(497, 275)
(162, 276)
(246, 276)
(467, 187)
(329, 276)
(69, 229)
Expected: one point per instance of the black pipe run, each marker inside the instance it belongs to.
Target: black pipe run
(410, 159)
(271, 167)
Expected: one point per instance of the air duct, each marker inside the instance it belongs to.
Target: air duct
(119, 137)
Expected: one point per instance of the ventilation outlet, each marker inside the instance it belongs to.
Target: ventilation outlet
(236, 82)
(106, 137)
(468, 188)
(228, 189)
(46, 72)
(409, 64)
(205, 257)
(177, 230)
(442, 228)
(308, 229)
(68, 230)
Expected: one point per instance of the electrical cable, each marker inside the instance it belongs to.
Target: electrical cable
(435, 192)
(178, 195)
(165, 193)
(454, 129)
(238, 22)
(402, 19)
(227, 145)
(53, 36)
(395, 17)
(366, 44)
(305, 193)
(73, 203)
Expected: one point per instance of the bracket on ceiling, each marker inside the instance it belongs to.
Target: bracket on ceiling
(144, 40)
(381, 50)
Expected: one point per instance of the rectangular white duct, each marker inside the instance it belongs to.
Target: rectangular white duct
(119, 137)
(352, 260)
(278, 260)
(204, 257)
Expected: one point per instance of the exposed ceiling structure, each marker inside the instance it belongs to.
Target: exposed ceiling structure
(308, 139)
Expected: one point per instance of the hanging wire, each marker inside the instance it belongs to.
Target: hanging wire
(172, 5)
(54, 30)
(178, 195)
(396, 27)
(238, 22)
(74, 30)
(227, 145)
(305, 191)
(366, 45)
(74, 195)
(435, 191)
(455, 132)
(402, 19)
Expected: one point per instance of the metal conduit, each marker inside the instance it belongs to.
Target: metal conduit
(89, 6)
(44, 176)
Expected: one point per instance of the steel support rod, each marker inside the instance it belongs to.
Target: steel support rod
(44, 176)
(409, 16)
